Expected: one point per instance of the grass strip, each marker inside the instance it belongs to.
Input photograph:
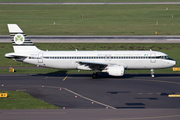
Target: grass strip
(22, 100)
(97, 19)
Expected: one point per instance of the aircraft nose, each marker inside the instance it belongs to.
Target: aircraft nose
(173, 62)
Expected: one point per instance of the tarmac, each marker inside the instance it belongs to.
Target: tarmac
(133, 96)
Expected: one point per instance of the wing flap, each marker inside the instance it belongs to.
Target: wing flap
(92, 65)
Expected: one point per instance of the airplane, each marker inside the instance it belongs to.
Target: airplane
(112, 62)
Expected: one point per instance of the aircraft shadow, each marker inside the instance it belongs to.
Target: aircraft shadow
(64, 73)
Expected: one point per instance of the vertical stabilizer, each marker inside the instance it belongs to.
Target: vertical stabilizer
(21, 42)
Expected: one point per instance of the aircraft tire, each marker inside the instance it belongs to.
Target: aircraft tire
(94, 75)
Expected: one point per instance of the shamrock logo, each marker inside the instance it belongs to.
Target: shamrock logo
(19, 39)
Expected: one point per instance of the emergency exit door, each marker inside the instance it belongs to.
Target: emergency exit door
(153, 57)
(40, 58)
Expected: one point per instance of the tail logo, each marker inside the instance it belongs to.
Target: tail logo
(19, 39)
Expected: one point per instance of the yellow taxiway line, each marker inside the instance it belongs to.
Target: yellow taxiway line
(65, 78)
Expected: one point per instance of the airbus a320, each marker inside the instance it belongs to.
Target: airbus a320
(113, 62)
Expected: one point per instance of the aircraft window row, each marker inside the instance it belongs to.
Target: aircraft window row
(33, 58)
(121, 57)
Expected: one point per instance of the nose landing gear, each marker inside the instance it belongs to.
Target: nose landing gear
(152, 73)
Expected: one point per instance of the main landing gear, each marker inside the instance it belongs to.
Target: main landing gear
(95, 75)
(152, 73)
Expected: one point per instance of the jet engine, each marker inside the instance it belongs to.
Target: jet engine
(115, 70)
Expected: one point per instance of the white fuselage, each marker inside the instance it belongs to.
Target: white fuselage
(128, 59)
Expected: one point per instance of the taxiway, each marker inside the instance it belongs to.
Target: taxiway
(133, 96)
(98, 39)
(81, 91)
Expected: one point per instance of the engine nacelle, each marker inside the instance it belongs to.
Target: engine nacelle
(116, 70)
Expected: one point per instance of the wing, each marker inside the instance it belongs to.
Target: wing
(92, 65)
(111, 69)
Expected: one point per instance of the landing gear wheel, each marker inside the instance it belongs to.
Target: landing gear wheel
(152, 73)
(94, 75)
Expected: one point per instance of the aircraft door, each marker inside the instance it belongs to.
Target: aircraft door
(40, 58)
(107, 57)
(153, 57)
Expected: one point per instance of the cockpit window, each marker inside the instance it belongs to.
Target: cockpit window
(164, 57)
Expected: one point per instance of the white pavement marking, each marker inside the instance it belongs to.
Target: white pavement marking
(89, 99)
